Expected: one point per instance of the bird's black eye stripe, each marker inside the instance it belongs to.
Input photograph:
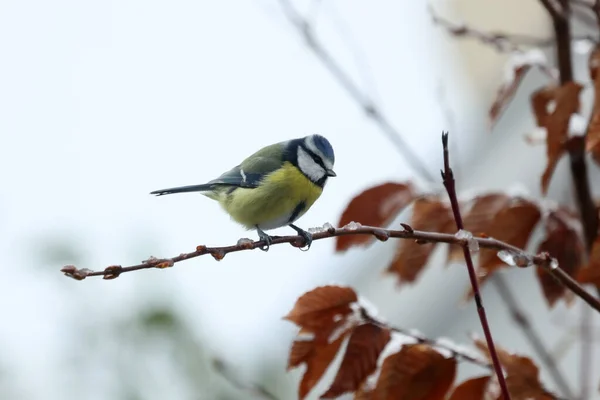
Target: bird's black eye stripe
(315, 157)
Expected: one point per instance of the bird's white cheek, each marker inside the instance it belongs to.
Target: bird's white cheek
(307, 165)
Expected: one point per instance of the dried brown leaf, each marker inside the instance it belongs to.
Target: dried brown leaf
(429, 214)
(512, 224)
(522, 375)
(416, 372)
(478, 219)
(317, 363)
(506, 92)
(472, 389)
(322, 309)
(376, 206)
(360, 360)
(593, 130)
(565, 102)
(591, 273)
(564, 243)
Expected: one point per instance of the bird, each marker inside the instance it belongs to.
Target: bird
(273, 187)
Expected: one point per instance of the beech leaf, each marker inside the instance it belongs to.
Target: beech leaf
(478, 219)
(416, 372)
(563, 242)
(322, 308)
(472, 389)
(564, 101)
(429, 214)
(360, 359)
(376, 206)
(512, 224)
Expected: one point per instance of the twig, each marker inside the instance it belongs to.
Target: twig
(542, 260)
(454, 350)
(503, 42)
(254, 390)
(523, 322)
(369, 107)
(448, 177)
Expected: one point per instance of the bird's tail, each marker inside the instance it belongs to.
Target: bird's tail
(207, 187)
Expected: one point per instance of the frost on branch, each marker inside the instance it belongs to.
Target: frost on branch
(376, 206)
(429, 214)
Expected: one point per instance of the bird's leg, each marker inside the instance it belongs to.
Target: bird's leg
(263, 236)
(307, 236)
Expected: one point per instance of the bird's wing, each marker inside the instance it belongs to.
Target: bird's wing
(250, 172)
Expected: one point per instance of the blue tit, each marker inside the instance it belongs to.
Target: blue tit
(273, 187)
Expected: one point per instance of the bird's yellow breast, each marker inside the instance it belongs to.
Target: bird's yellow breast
(281, 194)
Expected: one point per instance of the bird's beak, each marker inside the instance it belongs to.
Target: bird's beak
(331, 172)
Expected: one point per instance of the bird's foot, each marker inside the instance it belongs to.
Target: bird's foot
(307, 236)
(266, 238)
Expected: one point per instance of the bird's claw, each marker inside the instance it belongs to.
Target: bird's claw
(307, 236)
(266, 238)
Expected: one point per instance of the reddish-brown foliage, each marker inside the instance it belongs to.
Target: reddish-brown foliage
(512, 224)
(522, 375)
(564, 101)
(471, 389)
(593, 130)
(429, 214)
(376, 206)
(591, 272)
(416, 372)
(479, 218)
(360, 360)
(563, 242)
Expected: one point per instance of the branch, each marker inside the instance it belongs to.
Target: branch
(530, 333)
(448, 177)
(503, 42)
(522, 259)
(227, 372)
(304, 27)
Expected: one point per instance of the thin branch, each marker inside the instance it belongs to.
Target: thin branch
(448, 177)
(523, 259)
(500, 41)
(534, 338)
(576, 149)
(369, 107)
(227, 372)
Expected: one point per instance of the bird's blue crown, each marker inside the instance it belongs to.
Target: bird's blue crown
(324, 146)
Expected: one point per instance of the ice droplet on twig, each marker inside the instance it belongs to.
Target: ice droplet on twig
(327, 226)
(244, 242)
(352, 226)
(472, 243)
(315, 229)
(515, 259)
